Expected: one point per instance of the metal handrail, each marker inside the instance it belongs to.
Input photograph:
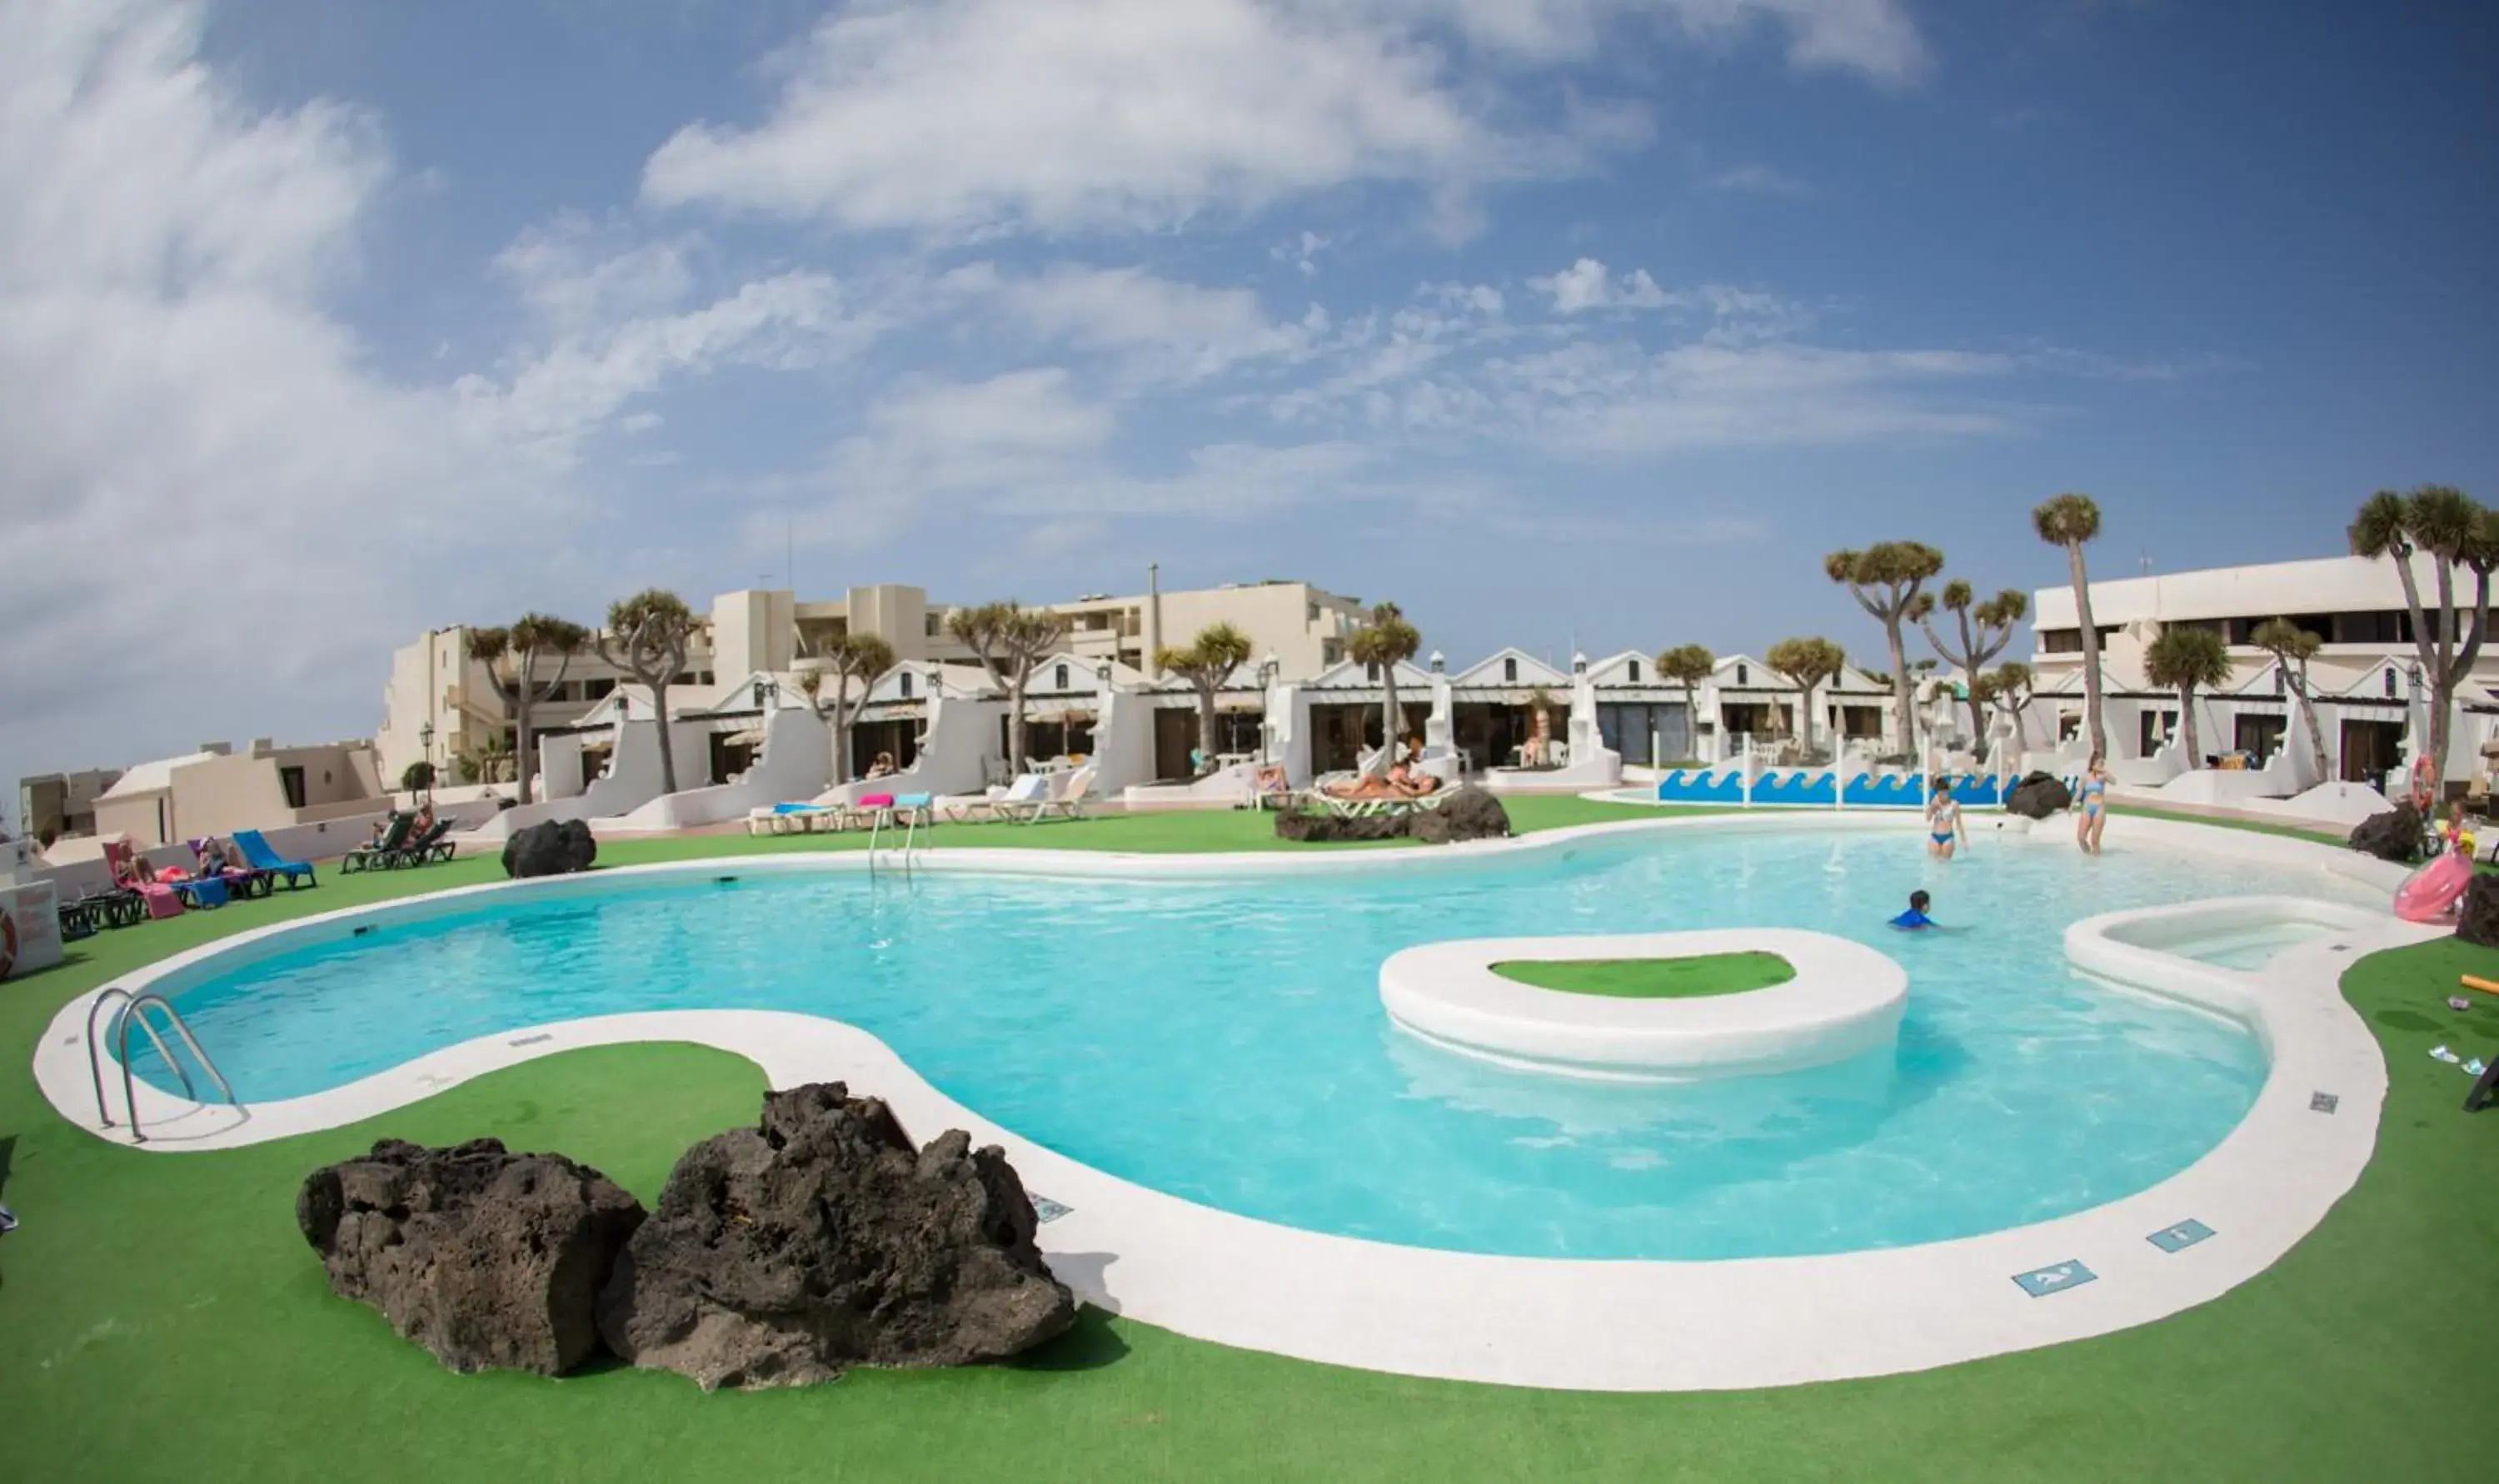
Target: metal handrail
(134, 1009)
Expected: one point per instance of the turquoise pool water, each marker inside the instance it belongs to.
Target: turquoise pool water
(1225, 1043)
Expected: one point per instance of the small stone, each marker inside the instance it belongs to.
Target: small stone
(490, 1260)
(819, 1240)
(2039, 797)
(2395, 835)
(556, 848)
(2478, 920)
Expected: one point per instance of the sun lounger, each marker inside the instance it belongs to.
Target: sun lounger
(425, 849)
(376, 856)
(256, 851)
(156, 899)
(202, 893)
(1068, 806)
(1028, 791)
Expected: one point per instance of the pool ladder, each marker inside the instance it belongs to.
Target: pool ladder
(912, 813)
(134, 1011)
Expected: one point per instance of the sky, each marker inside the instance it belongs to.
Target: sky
(1562, 323)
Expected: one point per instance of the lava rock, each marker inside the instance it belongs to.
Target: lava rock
(486, 1258)
(2395, 835)
(1320, 828)
(1469, 814)
(819, 1240)
(556, 848)
(2477, 920)
(2039, 797)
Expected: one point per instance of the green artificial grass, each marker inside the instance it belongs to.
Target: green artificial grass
(1652, 979)
(161, 1319)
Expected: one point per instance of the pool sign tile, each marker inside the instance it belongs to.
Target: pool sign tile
(1046, 1210)
(2322, 1102)
(2056, 1277)
(2178, 1238)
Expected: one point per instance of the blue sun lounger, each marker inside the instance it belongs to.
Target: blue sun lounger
(256, 851)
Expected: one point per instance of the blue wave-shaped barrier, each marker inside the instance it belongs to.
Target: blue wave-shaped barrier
(1795, 787)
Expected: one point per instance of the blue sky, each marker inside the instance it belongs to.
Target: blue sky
(1555, 320)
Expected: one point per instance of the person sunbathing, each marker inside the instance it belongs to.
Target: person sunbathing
(1363, 787)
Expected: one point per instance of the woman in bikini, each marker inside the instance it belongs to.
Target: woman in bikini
(1943, 819)
(2093, 804)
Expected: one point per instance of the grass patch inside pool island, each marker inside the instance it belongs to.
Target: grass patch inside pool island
(1652, 979)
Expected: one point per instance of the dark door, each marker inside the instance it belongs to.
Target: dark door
(2370, 750)
(292, 781)
(1175, 733)
(2258, 736)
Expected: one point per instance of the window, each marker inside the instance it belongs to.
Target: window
(1331, 652)
(1310, 614)
(597, 690)
(1371, 671)
(2389, 678)
(1509, 671)
(1633, 670)
(902, 685)
(1743, 676)
(936, 624)
(1059, 678)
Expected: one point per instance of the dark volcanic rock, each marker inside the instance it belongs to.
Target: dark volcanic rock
(1332, 828)
(819, 1239)
(2478, 920)
(556, 848)
(488, 1259)
(2395, 835)
(1469, 814)
(2039, 797)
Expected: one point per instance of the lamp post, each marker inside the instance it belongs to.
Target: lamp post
(425, 745)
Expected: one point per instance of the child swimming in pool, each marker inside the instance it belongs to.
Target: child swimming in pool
(1915, 919)
(1943, 819)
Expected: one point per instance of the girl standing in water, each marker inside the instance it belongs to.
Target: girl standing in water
(1943, 819)
(2094, 803)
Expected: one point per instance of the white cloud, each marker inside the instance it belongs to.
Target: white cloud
(1874, 37)
(1588, 285)
(1303, 254)
(574, 275)
(955, 115)
(558, 394)
(1171, 332)
(1756, 180)
(186, 429)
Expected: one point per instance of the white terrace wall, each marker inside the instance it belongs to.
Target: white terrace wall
(797, 764)
(1123, 740)
(954, 755)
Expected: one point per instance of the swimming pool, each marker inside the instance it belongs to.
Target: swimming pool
(1223, 1041)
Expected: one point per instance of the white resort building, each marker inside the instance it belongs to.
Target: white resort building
(2365, 681)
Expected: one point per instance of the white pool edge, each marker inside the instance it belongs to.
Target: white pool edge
(1589, 1325)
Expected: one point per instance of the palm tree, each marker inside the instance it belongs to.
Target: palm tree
(2450, 526)
(1009, 640)
(1807, 664)
(512, 656)
(2006, 688)
(1206, 664)
(2186, 659)
(647, 638)
(1386, 640)
(2069, 521)
(2292, 648)
(1887, 579)
(1688, 665)
(1986, 628)
(862, 658)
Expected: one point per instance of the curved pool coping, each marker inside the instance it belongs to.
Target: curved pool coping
(1843, 1000)
(1598, 1325)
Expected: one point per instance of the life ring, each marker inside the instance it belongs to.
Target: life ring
(2424, 783)
(8, 940)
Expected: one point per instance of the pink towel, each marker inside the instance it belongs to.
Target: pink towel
(877, 801)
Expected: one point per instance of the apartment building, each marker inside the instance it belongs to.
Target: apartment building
(218, 791)
(2363, 675)
(54, 804)
(439, 705)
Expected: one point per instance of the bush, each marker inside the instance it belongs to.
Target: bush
(416, 777)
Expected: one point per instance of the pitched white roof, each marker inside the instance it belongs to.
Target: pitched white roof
(154, 777)
(1532, 671)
